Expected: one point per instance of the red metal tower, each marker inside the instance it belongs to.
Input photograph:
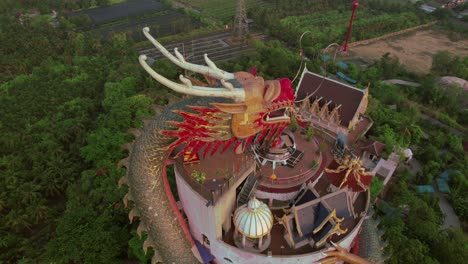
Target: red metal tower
(345, 46)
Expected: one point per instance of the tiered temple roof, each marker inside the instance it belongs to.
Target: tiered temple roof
(345, 98)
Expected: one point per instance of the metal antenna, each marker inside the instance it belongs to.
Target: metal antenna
(241, 28)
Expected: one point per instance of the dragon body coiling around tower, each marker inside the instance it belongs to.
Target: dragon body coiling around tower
(245, 107)
(237, 109)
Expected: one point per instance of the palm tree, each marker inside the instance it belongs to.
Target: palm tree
(17, 220)
(39, 212)
(3, 201)
(30, 193)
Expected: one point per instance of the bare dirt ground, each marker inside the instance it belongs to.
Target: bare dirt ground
(414, 50)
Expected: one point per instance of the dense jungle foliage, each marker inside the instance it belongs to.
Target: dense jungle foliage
(67, 99)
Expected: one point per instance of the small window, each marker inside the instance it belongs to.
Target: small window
(206, 241)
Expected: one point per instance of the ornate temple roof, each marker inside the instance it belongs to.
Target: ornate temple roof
(375, 148)
(350, 173)
(317, 86)
(253, 220)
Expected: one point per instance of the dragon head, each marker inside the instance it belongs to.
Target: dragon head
(258, 108)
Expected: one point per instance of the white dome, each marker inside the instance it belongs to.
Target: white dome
(253, 220)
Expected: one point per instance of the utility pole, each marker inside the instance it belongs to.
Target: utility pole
(345, 46)
(241, 28)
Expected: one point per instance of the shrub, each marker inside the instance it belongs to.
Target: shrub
(313, 164)
(309, 133)
(293, 125)
(199, 176)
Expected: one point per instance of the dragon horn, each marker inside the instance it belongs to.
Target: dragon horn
(237, 94)
(211, 71)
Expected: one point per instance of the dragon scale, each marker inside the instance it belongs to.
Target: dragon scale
(145, 168)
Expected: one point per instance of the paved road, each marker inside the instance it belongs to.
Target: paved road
(440, 124)
(451, 219)
(414, 166)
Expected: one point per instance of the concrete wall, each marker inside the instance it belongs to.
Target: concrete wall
(227, 254)
(225, 206)
(277, 196)
(208, 220)
(235, 255)
(195, 208)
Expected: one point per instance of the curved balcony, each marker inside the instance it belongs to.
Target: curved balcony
(309, 168)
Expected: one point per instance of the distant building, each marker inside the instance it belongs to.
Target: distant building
(451, 80)
(463, 14)
(453, 3)
(385, 168)
(442, 182)
(53, 14)
(425, 189)
(427, 8)
(408, 153)
(371, 156)
(20, 17)
(373, 151)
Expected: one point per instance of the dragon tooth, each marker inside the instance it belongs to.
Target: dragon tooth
(216, 147)
(207, 148)
(261, 136)
(228, 144)
(249, 140)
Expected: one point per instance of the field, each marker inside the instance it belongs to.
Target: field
(133, 15)
(161, 24)
(120, 11)
(221, 10)
(414, 51)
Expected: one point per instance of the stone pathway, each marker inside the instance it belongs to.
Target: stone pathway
(450, 218)
(402, 82)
